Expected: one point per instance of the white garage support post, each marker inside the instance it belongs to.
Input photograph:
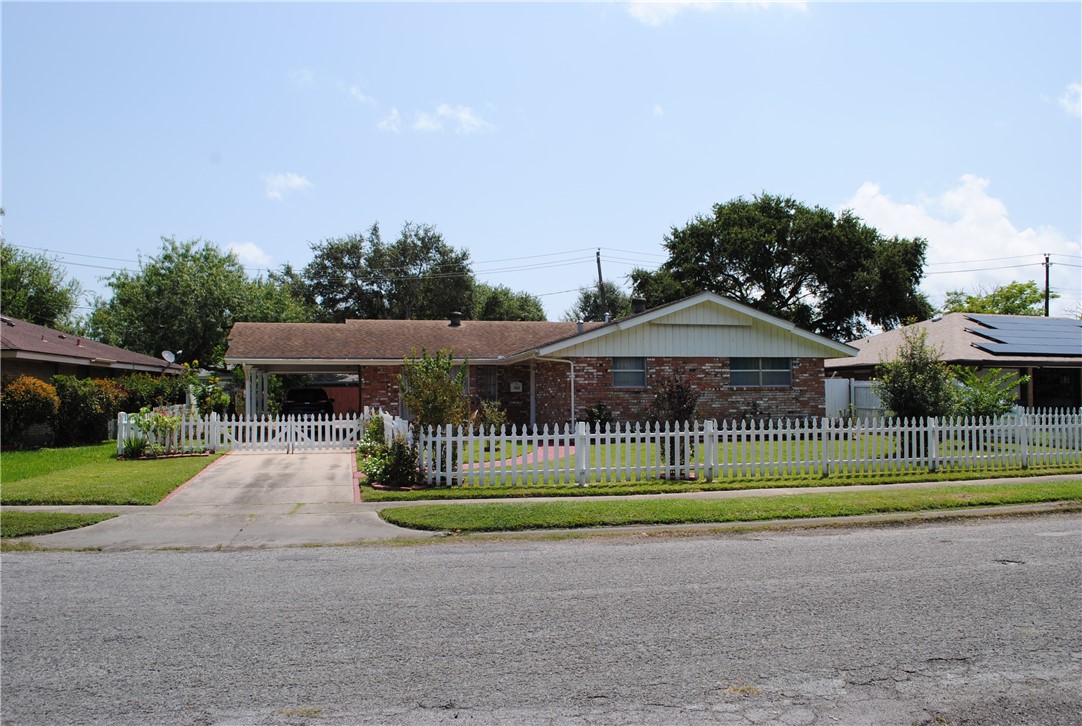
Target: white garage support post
(256, 389)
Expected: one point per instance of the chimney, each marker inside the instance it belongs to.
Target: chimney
(638, 305)
(456, 319)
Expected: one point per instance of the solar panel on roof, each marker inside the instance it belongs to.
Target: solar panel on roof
(1027, 336)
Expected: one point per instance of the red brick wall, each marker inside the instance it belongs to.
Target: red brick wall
(379, 387)
(593, 385)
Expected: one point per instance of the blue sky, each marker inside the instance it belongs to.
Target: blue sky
(534, 134)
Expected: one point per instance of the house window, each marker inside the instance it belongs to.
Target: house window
(487, 383)
(761, 372)
(629, 372)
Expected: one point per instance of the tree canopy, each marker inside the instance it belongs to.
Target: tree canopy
(417, 277)
(828, 273)
(588, 306)
(35, 288)
(500, 302)
(1015, 298)
(186, 298)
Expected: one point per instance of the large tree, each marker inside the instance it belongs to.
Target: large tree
(186, 298)
(588, 305)
(418, 276)
(830, 274)
(35, 288)
(1015, 298)
(502, 303)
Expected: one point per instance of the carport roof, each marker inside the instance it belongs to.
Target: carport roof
(379, 341)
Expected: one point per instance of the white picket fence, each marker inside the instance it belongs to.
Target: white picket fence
(264, 433)
(573, 454)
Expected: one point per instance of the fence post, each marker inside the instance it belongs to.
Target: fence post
(825, 445)
(1023, 439)
(933, 443)
(582, 453)
(121, 431)
(710, 443)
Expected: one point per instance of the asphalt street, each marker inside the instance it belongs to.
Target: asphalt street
(974, 622)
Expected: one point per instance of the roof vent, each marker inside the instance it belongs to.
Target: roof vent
(582, 326)
(456, 319)
(638, 305)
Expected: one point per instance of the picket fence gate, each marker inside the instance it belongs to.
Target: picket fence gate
(578, 455)
(282, 434)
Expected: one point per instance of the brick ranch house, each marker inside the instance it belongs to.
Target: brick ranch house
(744, 362)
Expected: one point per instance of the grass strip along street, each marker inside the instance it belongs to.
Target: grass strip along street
(91, 475)
(518, 516)
(23, 524)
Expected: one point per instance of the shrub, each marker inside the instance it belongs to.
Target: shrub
(488, 416)
(158, 427)
(26, 401)
(917, 383)
(84, 411)
(115, 396)
(989, 395)
(674, 400)
(433, 390)
(393, 465)
(145, 390)
(134, 446)
(599, 417)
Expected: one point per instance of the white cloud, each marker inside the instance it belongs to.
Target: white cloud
(1071, 99)
(655, 13)
(357, 93)
(301, 76)
(464, 119)
(972, 230)
(249, 253)
(279, 185)
(392, 122)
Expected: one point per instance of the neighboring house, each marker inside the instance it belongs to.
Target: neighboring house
(1048, 350)
(40, 352)
(744, 362)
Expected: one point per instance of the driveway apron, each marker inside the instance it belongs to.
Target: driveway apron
(243, 501)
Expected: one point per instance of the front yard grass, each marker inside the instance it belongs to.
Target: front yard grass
(658, 486)
(517, 516)
(25, 524)
(91, 475)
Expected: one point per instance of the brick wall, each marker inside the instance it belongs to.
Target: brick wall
(379, 387)
(593, 385)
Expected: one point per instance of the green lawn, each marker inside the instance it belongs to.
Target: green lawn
(505, 517)
(90, 475)
(24, 524)
(658, 486)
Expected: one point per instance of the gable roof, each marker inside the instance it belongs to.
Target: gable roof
(359, 342)
(21, 340)
(375, 341)
(724, 312)
(990, 341)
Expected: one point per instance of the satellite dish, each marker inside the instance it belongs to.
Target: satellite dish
(170, 356)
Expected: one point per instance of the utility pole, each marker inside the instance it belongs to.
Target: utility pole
(1047, 294)
(601, 289)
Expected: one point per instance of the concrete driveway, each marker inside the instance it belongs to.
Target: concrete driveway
(245, 500)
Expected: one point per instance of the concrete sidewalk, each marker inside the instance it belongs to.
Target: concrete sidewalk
(280, 500)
